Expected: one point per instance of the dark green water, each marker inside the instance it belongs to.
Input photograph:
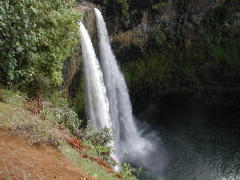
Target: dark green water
(202, 141)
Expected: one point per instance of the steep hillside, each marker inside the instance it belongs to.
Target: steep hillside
(19, 160)
(39, 140)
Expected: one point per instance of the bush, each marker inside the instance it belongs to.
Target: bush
(128, 172)
(59, 113)
(100, 137)
(98, 140)
(35, 39)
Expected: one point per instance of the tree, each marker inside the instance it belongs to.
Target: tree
(35, 39)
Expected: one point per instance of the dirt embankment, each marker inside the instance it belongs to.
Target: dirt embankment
(19, 160)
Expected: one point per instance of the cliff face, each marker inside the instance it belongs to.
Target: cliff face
(128, 45)
(71, 70)
(186, 10)
(182, 46)
(168, 46)
(172, 18)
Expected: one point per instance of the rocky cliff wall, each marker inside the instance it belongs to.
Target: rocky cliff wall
(183, 45)
(170, 17)
(72, 70)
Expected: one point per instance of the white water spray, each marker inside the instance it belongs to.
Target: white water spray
(126, 135)
(97, 101)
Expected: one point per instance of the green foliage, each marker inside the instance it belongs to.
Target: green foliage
(35, 39)
(160, 72)
(181, 63)
(128, 172)
(42, 127)
(159, 6)
(23, 122)
(13, 97)
(90, 167)
(59, 113)
(100, 137)
(221, 37)
(125, 8)
(99, 140)
(63, 116)
(157, 38)
(8, 178)
(78, 99)
(79, 104)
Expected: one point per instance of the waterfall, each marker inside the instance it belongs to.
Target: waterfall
(127, 137)
(97, 101)
(96, 96)
(109, 106)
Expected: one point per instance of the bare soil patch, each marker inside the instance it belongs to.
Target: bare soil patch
(19, 160)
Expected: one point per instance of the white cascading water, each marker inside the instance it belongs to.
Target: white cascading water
(110, 106)
(97, 101)
(127, 137)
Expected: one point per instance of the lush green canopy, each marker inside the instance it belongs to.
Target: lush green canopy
(36, 36)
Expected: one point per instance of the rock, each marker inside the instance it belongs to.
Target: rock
(71, 69)
(86, 8)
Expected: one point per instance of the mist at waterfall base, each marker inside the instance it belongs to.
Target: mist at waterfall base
(202, 140)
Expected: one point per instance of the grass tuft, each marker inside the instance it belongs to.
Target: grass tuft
(90, 167)
(13, 97)
(17, 119)
(20, 121)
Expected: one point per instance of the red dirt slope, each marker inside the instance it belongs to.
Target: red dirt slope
(19, 160)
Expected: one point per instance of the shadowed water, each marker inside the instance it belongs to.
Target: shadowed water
(202, 141)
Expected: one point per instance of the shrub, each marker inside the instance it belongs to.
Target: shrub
(98, 140)
(35, 39)
(100, 137)
(59, 113)
(128, 172)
